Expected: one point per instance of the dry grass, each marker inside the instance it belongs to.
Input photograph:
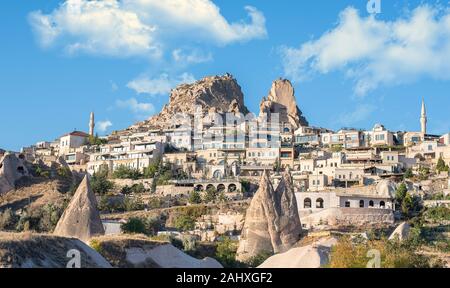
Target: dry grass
(32, 196)
(113, 248)
(40, 250)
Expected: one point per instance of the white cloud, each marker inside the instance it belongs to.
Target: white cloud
(140, 27)
(191, 56)
(160, 85)
(99, 27)
(104, 125)
(141, 110)
(374, 52)
(361, 113)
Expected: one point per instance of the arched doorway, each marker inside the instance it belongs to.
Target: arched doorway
(307, 203)
(199, 188)
(232, 188)
(217, 174)
(361, 204)
(220, 188)
(210, 187)
(371, 204)
(382, 204)
(319, 203)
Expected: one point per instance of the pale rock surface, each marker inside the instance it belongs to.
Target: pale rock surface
(401, 232)
(12, 169)
(27, 250)
(386, 188)
(281, 99)
(167, 256)
(220, 94)
(81, 218)
(272, 223)
(315, 255)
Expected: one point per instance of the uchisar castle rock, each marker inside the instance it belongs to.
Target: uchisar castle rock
(220, 95)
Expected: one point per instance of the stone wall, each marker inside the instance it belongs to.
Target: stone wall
(334, 217)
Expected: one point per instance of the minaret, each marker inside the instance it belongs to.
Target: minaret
(92, 125)
(423, 118)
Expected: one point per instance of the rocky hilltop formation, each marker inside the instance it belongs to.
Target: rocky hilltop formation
(281, 99)
(272, 223)
(81, 218)
(12, 169)
(219, 94)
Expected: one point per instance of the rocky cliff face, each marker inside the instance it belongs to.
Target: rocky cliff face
(81, 218)
(281, 99)
(272, 223)
(12, 169)
(219, 94)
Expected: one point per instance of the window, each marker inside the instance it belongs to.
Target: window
(307, 203)
(361, 203)
(347, 204)
(319, 203)
(382, 204)
(371, 203)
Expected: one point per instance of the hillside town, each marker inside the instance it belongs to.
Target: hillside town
(270, 188)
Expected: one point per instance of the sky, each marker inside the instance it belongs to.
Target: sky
(351, 67)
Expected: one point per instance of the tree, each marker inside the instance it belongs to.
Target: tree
(210, 195)
(195, 197)
(407, 204)
(152, 169)
(226, 253)
(441, 166)
(409, 173)
(184, 223)
(401, 192)
(100, 184)
(96, 141)
(124, 172)
(133, 226)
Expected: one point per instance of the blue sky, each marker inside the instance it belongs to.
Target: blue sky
(56, 67)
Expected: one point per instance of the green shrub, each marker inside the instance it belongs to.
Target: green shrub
(7, 219)
(133, 226)
(409, 174)
(210, 195)
(133, 203)
(195, 197)
(100, 184)
(257, 260)
(64, 172)
(184, 223)
(226, 253)
(124, 172)
(135, 189)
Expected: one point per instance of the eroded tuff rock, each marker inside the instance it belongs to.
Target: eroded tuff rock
(401, 232)
(281, 100)
(220, 93)
(272, 223)
(315, 255)
(12, 168)
(81, 218)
